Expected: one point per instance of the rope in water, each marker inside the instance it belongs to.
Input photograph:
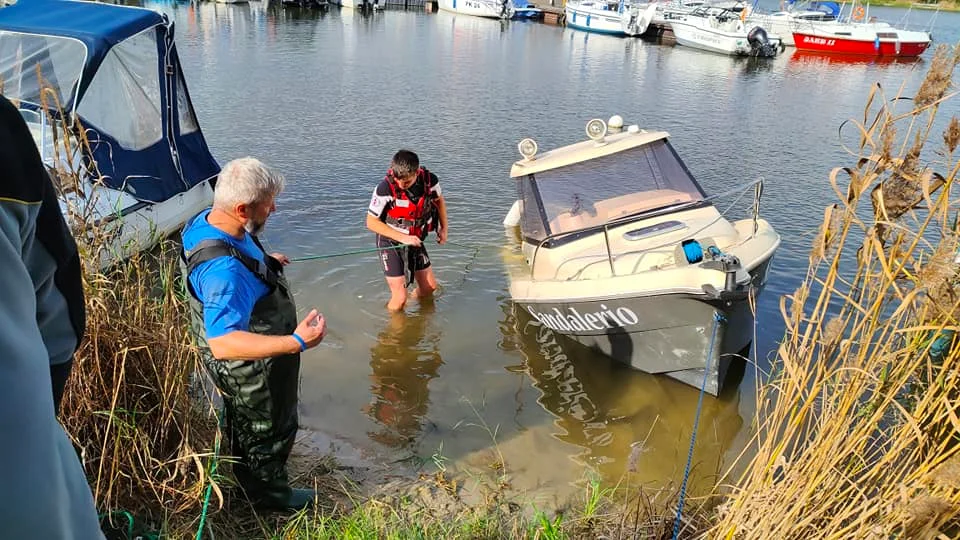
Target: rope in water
(717, 319)
(367, 250)
(344, 254)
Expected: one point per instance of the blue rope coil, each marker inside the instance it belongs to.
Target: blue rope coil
(692, 250)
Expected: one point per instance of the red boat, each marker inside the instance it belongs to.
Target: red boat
(869, 39)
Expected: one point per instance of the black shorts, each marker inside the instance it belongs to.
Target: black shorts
(398, 262)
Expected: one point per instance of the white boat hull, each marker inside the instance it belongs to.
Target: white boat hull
(670, 334)
(632, 22)
(729, 43)
(134, 226)
(491, 9)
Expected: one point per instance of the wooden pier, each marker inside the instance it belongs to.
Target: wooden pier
(552, 13)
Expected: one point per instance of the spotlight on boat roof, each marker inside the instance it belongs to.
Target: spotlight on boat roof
(528, 148)
(596, 130)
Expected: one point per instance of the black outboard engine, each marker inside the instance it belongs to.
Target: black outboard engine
(760, 44)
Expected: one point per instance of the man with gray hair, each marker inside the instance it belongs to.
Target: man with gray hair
(246, 322)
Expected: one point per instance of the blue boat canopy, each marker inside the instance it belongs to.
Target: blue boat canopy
(830, 8)
(116, 70)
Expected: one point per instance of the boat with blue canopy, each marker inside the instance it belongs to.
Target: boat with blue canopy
(103, 91)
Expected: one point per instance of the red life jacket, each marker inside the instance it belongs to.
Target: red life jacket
(415, 219)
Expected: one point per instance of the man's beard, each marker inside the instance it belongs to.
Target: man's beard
(253, 227)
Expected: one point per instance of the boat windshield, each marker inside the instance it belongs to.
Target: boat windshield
(29, 62)
(591, 193)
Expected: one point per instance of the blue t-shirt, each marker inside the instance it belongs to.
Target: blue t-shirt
(227, 289)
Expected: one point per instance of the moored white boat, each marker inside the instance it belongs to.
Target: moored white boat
(491, 9)
(676, 9)
(609, 17)
(625, 254)
(723, 31)
(116, 73)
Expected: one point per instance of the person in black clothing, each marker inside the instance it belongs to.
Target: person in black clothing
(406, 205)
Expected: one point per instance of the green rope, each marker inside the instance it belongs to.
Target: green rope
(368, 250)
(123, 513)
(344, 254)
(213, 470)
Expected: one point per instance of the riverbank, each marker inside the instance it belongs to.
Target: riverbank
(942, 6)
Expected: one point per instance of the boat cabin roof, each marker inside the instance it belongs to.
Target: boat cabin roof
(584, 151)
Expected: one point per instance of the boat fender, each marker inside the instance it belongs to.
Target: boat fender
(692, 250)
(512, 218)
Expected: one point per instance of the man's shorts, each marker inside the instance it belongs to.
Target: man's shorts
(398, 262)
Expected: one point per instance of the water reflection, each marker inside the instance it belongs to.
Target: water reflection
(403, 360)
(810, 58)
(623, 422)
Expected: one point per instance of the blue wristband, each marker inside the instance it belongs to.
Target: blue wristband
(303, 344)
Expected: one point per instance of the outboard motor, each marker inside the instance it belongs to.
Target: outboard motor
(760, 44)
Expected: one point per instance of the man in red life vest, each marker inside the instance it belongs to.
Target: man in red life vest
(405, 206)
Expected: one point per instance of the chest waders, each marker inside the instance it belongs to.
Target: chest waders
(260, 396)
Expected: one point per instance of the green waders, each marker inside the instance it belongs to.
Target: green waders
(260, 396)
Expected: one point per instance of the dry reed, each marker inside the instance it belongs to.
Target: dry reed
(857, 435)
(142, 434)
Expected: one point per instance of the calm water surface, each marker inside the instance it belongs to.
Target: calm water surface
(327, 98)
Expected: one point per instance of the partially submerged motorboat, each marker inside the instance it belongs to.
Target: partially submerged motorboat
(626, 254)
(109, 75)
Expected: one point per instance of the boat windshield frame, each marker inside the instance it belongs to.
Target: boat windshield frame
(714, 11)
(542, 227)
(67, 93)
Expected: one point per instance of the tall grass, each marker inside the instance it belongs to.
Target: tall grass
(128, 405)
(858, 430)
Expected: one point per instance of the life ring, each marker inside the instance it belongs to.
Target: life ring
(858, 13)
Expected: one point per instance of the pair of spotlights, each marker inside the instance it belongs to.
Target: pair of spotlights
(596, 131)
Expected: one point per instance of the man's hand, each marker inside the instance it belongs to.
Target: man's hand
(283, 259)
(411, 240)
(312, 328)
(442, 235)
